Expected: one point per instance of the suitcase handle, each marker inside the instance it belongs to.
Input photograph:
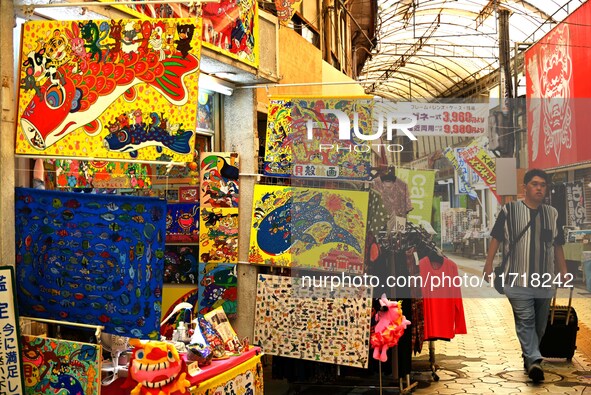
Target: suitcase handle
(553, 307)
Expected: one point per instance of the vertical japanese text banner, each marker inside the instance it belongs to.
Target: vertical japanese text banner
(11, 377)
(575, 199)
(463, 174)
(421, 185)
(483, 164)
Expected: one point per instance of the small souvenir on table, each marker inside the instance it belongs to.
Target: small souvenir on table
(218, 319)
(198, 349)
(156, 369)
(212, 337)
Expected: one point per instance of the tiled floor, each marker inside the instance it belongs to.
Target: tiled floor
(487, 360)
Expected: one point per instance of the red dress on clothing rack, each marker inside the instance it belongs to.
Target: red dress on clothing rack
(442, 305)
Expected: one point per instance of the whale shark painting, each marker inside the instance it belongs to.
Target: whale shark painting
(309, 228)
(109, 89)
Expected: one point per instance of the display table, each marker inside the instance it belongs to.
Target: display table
(243, 371)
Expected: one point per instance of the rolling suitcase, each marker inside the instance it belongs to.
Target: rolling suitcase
(560, 338)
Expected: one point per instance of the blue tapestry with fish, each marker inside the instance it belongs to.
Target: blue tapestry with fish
(91, 258)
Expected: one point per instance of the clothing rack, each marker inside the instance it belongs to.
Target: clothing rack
(417, 238)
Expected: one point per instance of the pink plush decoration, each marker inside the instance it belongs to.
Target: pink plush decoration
(390, 327)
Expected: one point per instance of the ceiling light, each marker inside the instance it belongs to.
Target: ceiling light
(214, 84)
(228, 75)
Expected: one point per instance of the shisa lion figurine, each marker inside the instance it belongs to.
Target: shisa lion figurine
(156, 368)
(390, 327)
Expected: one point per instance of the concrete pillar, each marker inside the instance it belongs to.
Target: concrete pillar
(7, 122)
(240, 131)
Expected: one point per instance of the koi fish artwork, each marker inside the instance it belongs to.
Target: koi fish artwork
(109, 90)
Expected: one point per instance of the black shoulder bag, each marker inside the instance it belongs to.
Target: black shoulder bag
(499, 270)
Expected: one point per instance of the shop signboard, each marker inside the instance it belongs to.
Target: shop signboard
(11, 374)
(421, 185)
(109, 89)
(558, 91)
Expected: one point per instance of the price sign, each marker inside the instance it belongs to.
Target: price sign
(448, 119)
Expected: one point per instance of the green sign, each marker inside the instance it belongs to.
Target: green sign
(421, 185)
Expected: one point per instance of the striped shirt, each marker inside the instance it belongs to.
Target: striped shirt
(534, 252)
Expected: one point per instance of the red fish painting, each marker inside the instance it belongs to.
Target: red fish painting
(100, 68)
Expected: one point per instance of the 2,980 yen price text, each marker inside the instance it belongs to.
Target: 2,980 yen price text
(537, 280)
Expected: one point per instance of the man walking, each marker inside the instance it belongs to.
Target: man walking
(531, 236)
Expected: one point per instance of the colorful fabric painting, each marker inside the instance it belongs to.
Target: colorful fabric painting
(93, 259)
(156, 10)
(54, 366)
(306, 139)
(231, 27)
(109, 89)
(218, 240)
(182, 223)
(218, 287)
(219, 173)
(101, 174)
(271, 214)
(296, 319)
(285, 10)
(246, 378)
(309, 228)
(188, 194)
(164, 175)
(181, 264)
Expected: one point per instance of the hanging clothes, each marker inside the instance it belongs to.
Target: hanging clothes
(395, 197)
(442, 306)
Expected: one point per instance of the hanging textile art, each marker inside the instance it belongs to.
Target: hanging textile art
(88, 258)
(218, 240)
(54, 365)
(181, 265)
(182, 223)
(319, 138)
(219, 184)
(296, 319)
(309, 228)
(218, 287)
(101, 174)
(285, 10)
(109, 89)
(189, 194)
(158, 10)
(231, 27)
(165, 175)
(271, 215)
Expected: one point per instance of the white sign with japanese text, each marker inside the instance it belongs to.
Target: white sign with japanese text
(11, 378)
(447, 119)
